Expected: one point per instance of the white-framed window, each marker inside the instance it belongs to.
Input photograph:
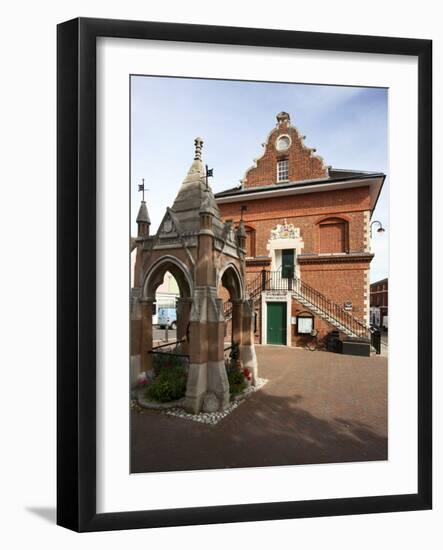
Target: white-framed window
(282, 170)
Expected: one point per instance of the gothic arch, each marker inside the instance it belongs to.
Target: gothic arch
(231, 279)
(154, 277)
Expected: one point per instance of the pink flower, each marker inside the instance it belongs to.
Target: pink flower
(143, 380)
(247, 374)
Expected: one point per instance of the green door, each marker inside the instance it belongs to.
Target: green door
(276, 319)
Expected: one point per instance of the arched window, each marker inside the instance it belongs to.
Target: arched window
(333, 235)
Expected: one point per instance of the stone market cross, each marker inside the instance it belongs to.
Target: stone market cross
(203, 253)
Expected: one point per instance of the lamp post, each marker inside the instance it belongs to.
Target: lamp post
(380, 228)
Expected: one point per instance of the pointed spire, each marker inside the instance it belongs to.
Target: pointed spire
(195, 197)
(143, 220)
(143, 216)
(194, 193)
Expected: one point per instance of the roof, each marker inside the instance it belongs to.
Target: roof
(194, 197)
(338, 178)
(385, 280)
(335, 175)
(143, 216)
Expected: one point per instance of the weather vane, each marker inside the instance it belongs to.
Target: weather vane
(209, 174)
(141, 187)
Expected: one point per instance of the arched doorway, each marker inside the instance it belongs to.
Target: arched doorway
(239, 316)
(154, 277)
(230, 291)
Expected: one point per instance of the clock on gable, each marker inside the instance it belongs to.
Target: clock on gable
(283, 143)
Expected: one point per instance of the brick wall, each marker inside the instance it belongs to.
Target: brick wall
(305, 212)
(339, 282)
(379, 294)
(321, 326)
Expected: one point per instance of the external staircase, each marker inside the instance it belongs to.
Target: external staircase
(313, 300)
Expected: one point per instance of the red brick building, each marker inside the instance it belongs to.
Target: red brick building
(379, 303)
(308, 239)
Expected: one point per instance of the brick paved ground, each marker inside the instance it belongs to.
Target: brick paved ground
(317, 407)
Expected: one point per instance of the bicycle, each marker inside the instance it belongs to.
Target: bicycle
(312, 344)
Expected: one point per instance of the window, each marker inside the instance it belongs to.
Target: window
(250, 242)
(305, 323)
(333, 236)
(282, 170)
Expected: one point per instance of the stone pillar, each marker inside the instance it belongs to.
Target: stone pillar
(217, 378)
(183, 322)
(207, 385)
(205, 270)
(138, 266)
(198, 353)
(136, 333)
(146, 334)
(237, 328)
(207, 379)
(247, 346)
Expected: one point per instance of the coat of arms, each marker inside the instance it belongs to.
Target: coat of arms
(285, 231)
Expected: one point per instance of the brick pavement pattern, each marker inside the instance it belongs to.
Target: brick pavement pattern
(317, 407)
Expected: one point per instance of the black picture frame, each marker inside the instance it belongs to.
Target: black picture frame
(76, 277)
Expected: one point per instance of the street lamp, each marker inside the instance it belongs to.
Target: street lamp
(380, 228)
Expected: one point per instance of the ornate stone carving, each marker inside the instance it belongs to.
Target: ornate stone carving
(168, 226)
(285, 231)
(210, 403)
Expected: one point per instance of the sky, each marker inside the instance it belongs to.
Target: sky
(347, 126)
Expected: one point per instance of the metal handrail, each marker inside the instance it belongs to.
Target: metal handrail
(273, 280)
(169, 353)
(255, 288)
(330, 308)
(167, 344)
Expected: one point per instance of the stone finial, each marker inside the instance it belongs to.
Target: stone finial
(241, 231)
(283, 117)
(198, 148)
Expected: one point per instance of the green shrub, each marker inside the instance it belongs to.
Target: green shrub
(236, 379)
(166, 360)
(168, 385)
